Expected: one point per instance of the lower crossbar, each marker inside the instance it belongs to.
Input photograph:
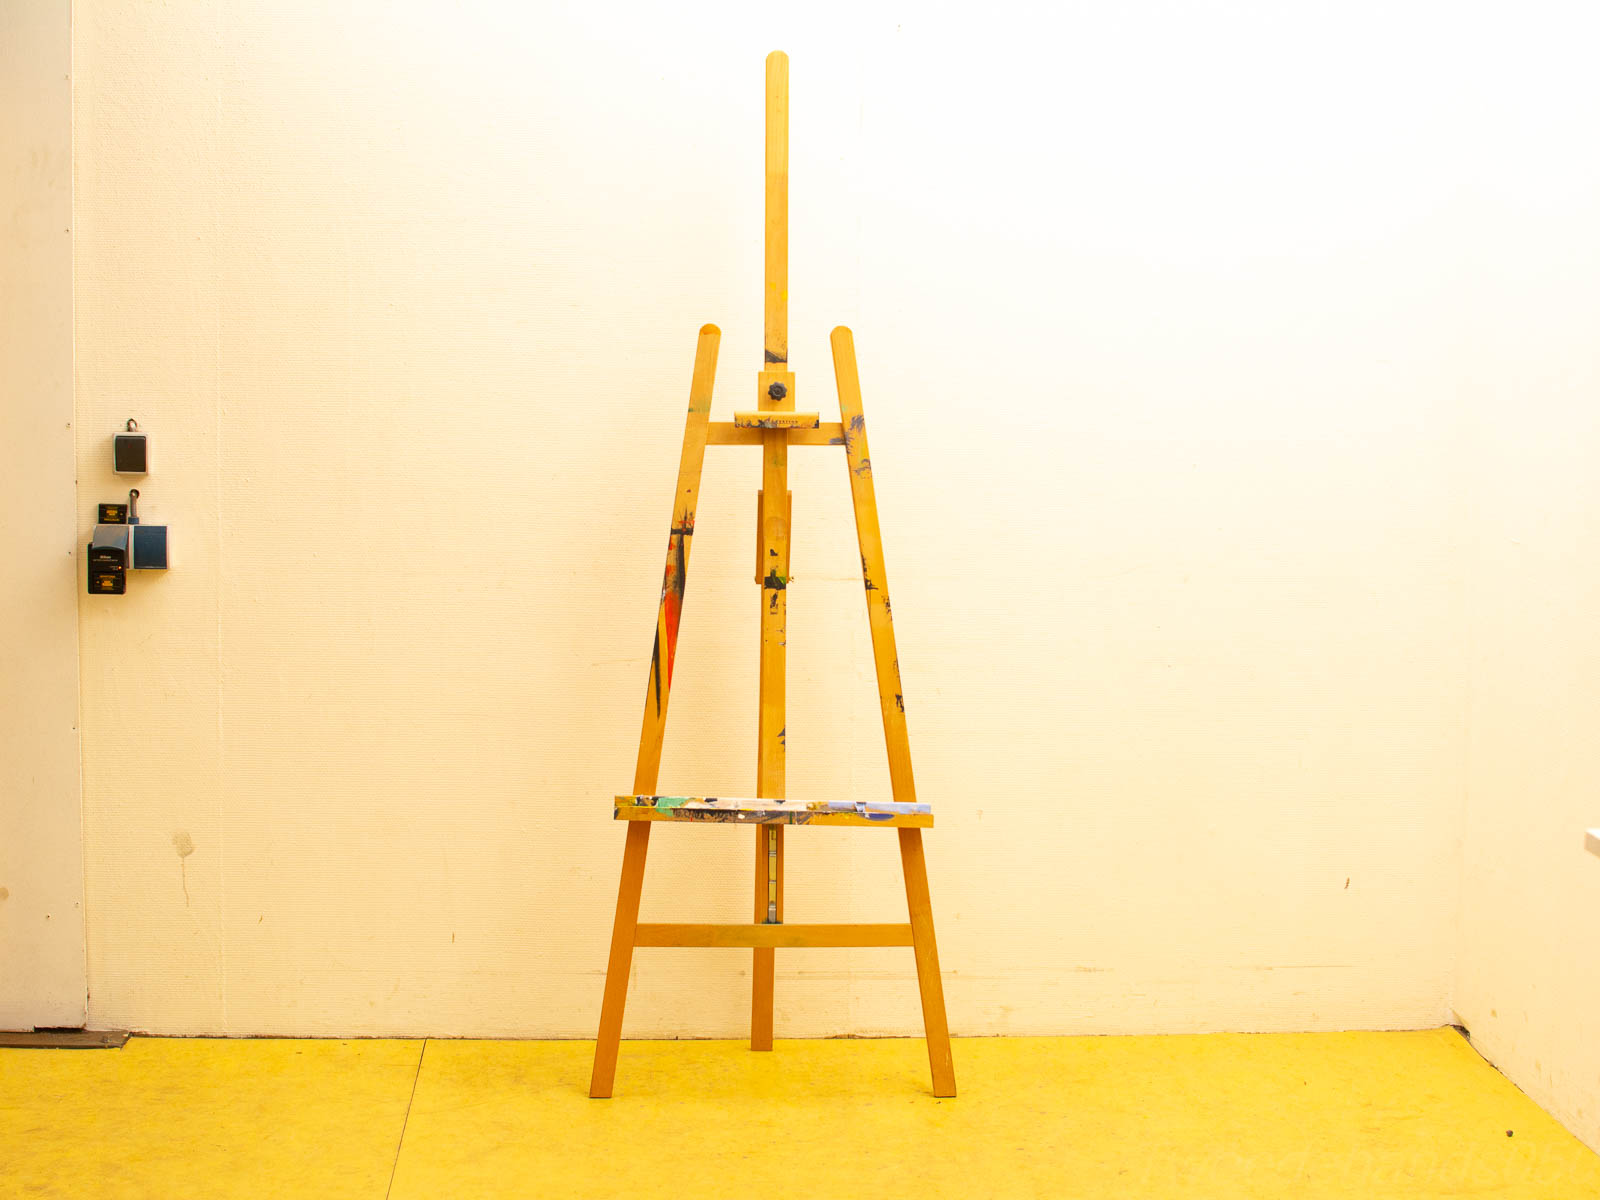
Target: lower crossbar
(776, 936)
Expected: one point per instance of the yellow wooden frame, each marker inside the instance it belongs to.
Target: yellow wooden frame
(775, 426)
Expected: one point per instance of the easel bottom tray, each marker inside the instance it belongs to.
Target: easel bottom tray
(758, 811)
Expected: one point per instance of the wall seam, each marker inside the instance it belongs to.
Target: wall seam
(221, 797)
(72, 551)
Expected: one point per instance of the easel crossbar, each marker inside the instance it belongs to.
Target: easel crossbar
(726, 433)
(776, 420)
(783, 937)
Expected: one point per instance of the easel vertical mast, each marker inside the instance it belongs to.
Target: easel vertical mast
(776, 394)
(777, 274)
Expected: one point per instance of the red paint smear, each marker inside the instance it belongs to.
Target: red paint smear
(672, 603)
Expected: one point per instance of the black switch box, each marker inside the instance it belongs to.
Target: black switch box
(130, 454)
(107, 581)
(108, 560)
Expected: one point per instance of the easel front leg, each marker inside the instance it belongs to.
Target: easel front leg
(880, 622)
(935, 1028)
(621, 961)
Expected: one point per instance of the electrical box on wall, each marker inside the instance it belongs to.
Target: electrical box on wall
(121, 542)
(108, 560)
(149, 548)
(130, 451)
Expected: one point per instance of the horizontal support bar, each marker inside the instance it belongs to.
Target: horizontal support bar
(776, 420)
(730, 810)
(847, 819)
(726, 433)
(777, 936)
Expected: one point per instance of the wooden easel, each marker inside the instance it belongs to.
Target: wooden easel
(775, 426)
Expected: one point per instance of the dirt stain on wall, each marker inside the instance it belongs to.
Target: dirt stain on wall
(184, 845)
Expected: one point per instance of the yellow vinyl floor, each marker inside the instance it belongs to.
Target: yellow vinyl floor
(1371, 1115)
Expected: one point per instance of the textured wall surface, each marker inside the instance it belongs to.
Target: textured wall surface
(41, 826)
(1160, 341)
(1528, 985)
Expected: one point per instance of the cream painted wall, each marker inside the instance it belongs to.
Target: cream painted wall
(1161, 316)
(1528, 985)
(42, 980)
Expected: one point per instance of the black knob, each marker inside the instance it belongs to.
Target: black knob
(777, 391)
